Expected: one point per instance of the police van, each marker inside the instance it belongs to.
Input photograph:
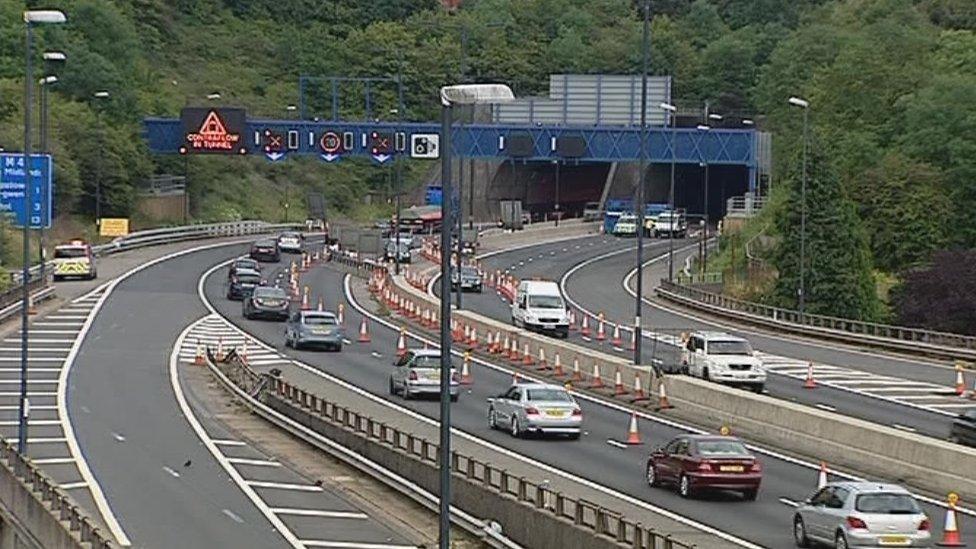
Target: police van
(74, 259)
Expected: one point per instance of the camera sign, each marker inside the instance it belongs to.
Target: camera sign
(425, 145)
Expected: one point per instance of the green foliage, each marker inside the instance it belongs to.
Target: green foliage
(837, 266)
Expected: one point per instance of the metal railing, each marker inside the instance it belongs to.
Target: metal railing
(68, 513)
(747, 205)
(901, 338)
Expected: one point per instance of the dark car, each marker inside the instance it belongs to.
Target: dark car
(242, 284)
(266, 302)
(696, 463)
(245, 264)
(266, 250)
(470, 279)
(963, 429)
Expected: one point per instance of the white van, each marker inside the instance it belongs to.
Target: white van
(539, 306)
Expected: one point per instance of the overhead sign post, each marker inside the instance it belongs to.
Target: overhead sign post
(34, 211)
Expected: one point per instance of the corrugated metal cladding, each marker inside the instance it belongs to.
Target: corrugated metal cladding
(590, 99)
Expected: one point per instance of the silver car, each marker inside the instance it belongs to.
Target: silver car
(313, 329)
(861, 514)
(418, 372)
(535, 408)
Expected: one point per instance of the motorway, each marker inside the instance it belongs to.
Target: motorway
(765, 522)
(598, 286)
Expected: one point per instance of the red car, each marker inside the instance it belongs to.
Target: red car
(696, 463)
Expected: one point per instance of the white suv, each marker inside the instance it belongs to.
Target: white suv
(717, 356)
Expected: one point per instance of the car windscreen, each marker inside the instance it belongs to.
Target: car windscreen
(887, 504)
(545, 302)
(547, 395)
(246, 264)
(320, 320)
(469, 271)
(729, 348)
(592, 206)
(721, 448)
(270, 293)
(265, 243)
(70, 252)
(248, 278)
(427, 361)
(627, 219)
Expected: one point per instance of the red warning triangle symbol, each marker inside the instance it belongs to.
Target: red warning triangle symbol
(213, 127)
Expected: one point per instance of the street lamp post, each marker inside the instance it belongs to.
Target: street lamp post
(98, 173)
(801, 291)
(470, 94)
(717, 118)
(44, 84)
(642, 181)
(672, 110)
(31, 18)
(704, 163)
(557, 163)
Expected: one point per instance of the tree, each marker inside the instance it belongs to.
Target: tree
(941, 296)
(838, 272)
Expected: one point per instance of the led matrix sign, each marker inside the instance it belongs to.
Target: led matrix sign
(213, 131)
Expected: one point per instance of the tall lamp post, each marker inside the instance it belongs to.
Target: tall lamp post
(99, 96)
(31, 18)
(642, 181)
(801, 291)
(44, 84)
(704, 162)
(672, 111)
(716, 119)
(464, 94)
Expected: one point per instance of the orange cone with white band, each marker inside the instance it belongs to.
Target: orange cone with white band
(466, 370)
(633, 340)
(401, 348)
(527, 356)
(341, 314)
(585, 326)
(633, 435)
(577, 374)
(321, 305)
(572, 320)
(810, 383)
(305, 303)
(473, 338)
(822, 475)
(618, 384)
(601, 333)
(364, 331)
(557, 366)
(950, 529)
(542, 363)
(489, 343)
(662, 397)
(616, 340)
(199, 359)
(960, 380)
(597, 381)
(638, 390)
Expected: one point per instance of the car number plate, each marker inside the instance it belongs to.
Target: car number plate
(556, 413)
(894, 540)
(433, 375)
(731, 468)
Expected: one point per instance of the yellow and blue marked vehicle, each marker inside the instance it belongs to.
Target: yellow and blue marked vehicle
(74, 259)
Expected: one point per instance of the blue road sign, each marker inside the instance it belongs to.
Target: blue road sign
(13, 189)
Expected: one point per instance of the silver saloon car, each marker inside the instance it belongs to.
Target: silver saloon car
(861, 514)
(418, 373)
(535, 408)
(313, 329)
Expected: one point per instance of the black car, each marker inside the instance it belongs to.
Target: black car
(242, 264)
(963, 429)
(266, 250)
(242, 284)
(266, 302)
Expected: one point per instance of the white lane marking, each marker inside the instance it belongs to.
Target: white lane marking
(318, 513)
(47, 332)
(118, 437)
(258, 462)
(376, 355)
(53, 461)
(30, 422)
(30, 393)
(596, 400)
(903, 427)
(46, 440)
(789, 502)
(73, 485)
(30, 370)
(67, 317)
(171, 472)
(233, 516)
(620, 445)
(36, 349)
(211, 445)
(65, 324)
(38, 340)
(825, 407)
(31, 359)
(33, 407)
(225, 442)
(353, 545)
(284, 486)
(30, 381)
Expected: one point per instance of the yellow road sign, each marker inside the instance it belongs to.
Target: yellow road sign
(114, 226)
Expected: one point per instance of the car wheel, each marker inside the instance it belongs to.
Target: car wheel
(750, 495)
(684, 487)
(652, 479)
(840, 541)
(800, 532)
(758, 389)
(492, 419)
(705, 375)
(515, 430)
(405, 392)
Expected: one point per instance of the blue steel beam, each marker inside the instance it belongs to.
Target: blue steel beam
(603, 143)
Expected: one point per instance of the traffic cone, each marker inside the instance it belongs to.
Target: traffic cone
(305, 303)
(542, 364)
(473, 339)
(321, 305)
(557, 366)
(822, 475)
(505, 347)
(498, 342)
(597, 381)
(950, 530)
(516, 378)
(633, 340)
(577, 374)
(601, 333)
(527, 356)
(199, 359)
(960, 381)
(638, 390)
(618, 384)
(341, 314)
(220, 349)
(489, 343)
(810, 383)
(364, 331)
(572, 320)
(662, 397)
(466, 370)
(616, 341)
(585, 326)
(401, 348)
(633, 435)
(513, 352)
(31, 306)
